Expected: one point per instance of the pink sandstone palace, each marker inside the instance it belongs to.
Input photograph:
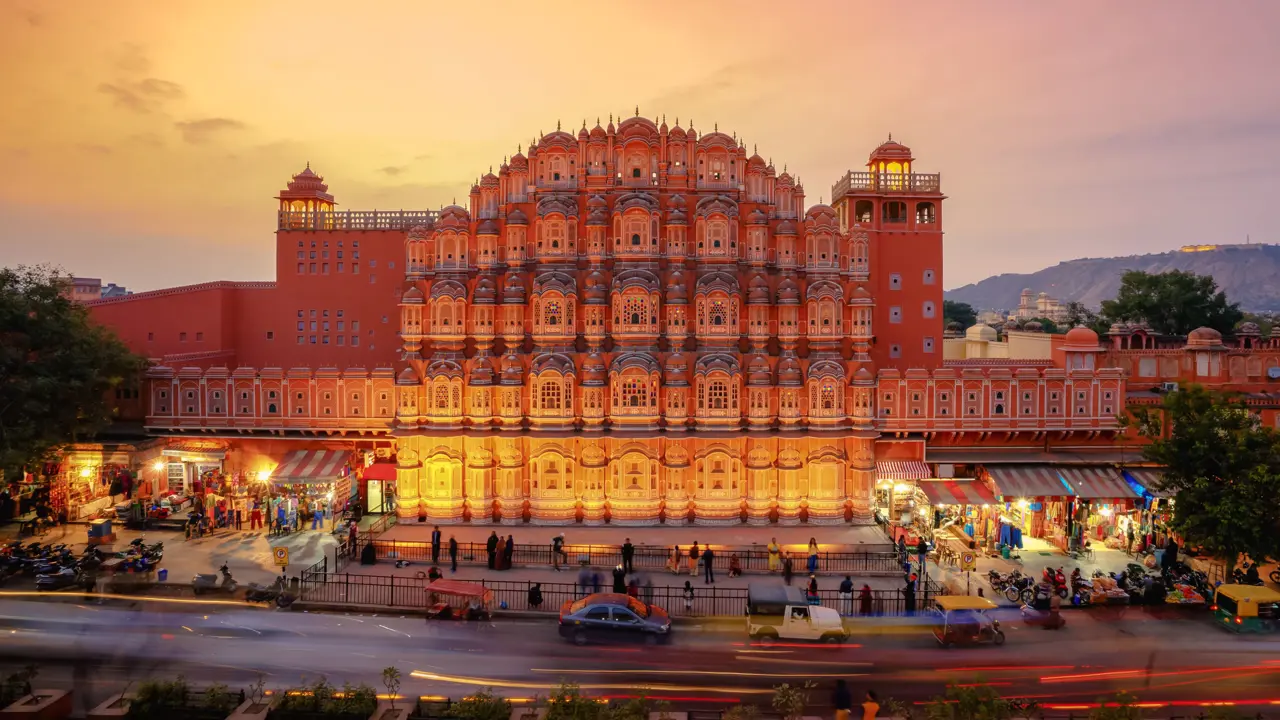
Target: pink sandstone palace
(636, 324)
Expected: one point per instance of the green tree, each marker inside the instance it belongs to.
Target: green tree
(1174, 302)
(1222, 467)
(1046, 325)
(1264, 322)
(57, 366)
(1077, 313)
(962, 313)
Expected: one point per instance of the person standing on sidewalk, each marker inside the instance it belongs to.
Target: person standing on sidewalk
(693, 559)
(688, 597)
(628, 552)
(846, 594)
(787, 570)
(673, 562)
(557, 552)
(584, 579)
(352, 536)
(708, 559)
(922, 551)
(510, 553)
(453, 554)
(813, 555)
(619, 580)
(842, 700)
(870, 707)
(435, 545)
(491, 547)
(775, 552)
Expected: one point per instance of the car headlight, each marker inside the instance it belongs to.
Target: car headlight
(665, 628)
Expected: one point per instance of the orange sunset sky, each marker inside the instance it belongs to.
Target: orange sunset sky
(142, 142)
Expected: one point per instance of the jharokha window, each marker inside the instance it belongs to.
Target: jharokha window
(634, 310)
(552, 312)
(442, 397)
(551, 399)
(635, 393)
(718, 395)
(718, 312)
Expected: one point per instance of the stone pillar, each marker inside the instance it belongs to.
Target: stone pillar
(862, 479)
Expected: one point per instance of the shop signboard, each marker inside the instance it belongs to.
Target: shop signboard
(281, 555)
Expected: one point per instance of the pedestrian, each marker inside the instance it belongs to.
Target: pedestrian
(1171, 555)
(435, 545)
(500, 554)
(633, 588)
(1128, 548)
(864, 600)
(922, 551)
(846, 594)
(239, 518)
(775, 561)
(255, 516)
(619, 579)
(673, 562)
(902, 548)
(693, 558)
(510, 553)
(787, 570)
(647, 589)
(812, 589)
(813, 555)
(688, 597)
(735, 566)
(453, 554)
(870, 707)
(491, 547)
(595, 581)
(628, 552)
(909, 595)
(584, 580)
(842, 700)
(708, 559)
(557, 552)
(535, 596)
(352, 536)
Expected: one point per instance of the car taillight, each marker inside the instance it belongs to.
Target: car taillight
(1213, 607)
(1238, 620)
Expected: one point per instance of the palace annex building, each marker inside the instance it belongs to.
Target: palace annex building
(632, 324)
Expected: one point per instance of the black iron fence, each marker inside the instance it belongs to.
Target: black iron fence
(645, 557)
(414, 592)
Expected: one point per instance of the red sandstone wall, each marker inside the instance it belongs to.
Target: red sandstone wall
(173, 321)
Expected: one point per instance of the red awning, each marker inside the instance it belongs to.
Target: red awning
(957, 492)
(902, 470)
(385, 472)
(1027, 481)
(303, 467)
(1098, 483)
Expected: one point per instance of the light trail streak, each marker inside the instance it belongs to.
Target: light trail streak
(491, 682)
(132, 598)
(710, 673)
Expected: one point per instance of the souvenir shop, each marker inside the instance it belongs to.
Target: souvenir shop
(1153, 512)
(1067, 507)
(86, 481)
(896, 497)
(316, 483)
(192, 468)
(959, 511)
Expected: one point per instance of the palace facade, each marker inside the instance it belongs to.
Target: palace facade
(633, 324)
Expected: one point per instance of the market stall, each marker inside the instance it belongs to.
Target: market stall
(311, 481)
(960, 512)
(896, 494)
(191, 467)
(1034, 500)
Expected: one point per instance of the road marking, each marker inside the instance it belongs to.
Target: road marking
(384, 627)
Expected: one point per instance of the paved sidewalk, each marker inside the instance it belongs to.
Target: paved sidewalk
(793, 538)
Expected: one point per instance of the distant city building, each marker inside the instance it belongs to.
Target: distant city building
(81, 289)
(1031, 305)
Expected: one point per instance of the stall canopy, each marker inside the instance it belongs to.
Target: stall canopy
(1097, 483)
(1027, 481)
(199, 453)
(380, 471)
(902, 470)
(1148, 479)
(302, 467)
(957, 492)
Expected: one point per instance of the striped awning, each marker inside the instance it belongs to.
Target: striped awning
(902, 470)
(1027, 481)
(1097, 483)
(1148, 479)
(198, 452)
(302, 467)
(957, 492)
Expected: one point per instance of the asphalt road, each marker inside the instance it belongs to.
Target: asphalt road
(98, 648)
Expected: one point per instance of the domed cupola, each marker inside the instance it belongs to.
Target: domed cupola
(786, 227)
(758, 372)
(481, 371)
(517, 217)
(677, 293)
(593, 370)
(408, 376)
(486, 292)
(487, 227)
(675, 211)
(597, 211)
(676, 369)
(759, 292)
(513, 290)
(512, 369)
(788, 291)
(596, 292)
(756, 217)
(789, 370)
(412, 296)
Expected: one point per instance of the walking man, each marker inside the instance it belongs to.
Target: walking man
(693, 559)
(628, 552)
(922, 550)
(707, 557)
(435, 545)
(491, 546)
(453, 554)
(557, 552)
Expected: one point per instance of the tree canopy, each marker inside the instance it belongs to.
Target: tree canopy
(960, 312)
(1222, 467)
(1173, 303)
(57, 369)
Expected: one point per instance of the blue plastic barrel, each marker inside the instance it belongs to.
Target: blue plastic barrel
(163, 574)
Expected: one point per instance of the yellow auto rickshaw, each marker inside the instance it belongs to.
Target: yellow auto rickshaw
(963, 620)
(1247, 608)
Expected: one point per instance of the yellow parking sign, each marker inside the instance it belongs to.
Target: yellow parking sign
(281, 555)
(968, 561)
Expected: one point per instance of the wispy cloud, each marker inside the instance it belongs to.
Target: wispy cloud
(142, 96)
(393, 170)
(199, 132)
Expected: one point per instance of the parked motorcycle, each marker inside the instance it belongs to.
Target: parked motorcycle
(63, 578)
(208, 582)
(1020, 590)
(1057, 580)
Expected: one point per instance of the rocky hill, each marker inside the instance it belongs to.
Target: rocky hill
(1247, 273)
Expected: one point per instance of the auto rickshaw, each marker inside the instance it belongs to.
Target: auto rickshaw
(963, 620)
(455, 599)
(1247, 608)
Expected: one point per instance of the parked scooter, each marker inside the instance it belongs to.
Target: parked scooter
(1058, 580)
(208, 582)
(64, 578)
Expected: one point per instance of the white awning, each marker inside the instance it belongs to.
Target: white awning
(303, 467)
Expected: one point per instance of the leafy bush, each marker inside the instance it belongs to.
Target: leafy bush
(978, 702)
(323, 698)
(568, 703)
(483, 705)
(159, 698)
(1119, 707)
(742, 712)
(790, 700)
(17, 685)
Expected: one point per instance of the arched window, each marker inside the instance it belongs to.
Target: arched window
(717, 234)
(718, 312)
(635, 392)
(442, 396)
(550, 397)
(828, 396)
(634, 310)
(718, 395)
(552, 313)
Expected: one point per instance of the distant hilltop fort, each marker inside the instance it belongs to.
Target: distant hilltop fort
(1209, 248)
